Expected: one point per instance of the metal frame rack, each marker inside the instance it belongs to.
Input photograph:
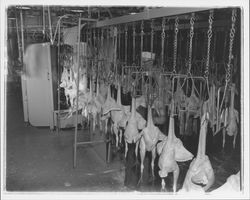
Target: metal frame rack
(130, 20)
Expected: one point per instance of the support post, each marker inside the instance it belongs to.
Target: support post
(23, 79)
(58, 80)
(77, 90)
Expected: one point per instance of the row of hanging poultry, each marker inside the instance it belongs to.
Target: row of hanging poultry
(145, 134)
(186, 97)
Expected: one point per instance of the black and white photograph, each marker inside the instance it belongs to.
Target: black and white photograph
(124, 100)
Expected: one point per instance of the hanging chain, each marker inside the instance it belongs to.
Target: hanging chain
(115, 52)
(230, 56)
(142, 34)
(94, 36)
(163, 35)
(88, 42)
(126, 43)
(134, 43)
(90, 36)
(107, 42)
(98, 40)
(152, 36)
(115, 43)
(175, 43)
(102, 38)
(190, 44)
(119, 42)
(209, 36)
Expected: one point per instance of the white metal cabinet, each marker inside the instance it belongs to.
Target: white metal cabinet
(40, 104)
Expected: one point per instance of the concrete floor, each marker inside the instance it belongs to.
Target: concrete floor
(40, 160)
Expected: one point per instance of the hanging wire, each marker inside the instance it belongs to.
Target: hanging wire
(134, 33)
(142, 34)
(175, 44)
(115, 53)
(102, 39)
(126, 43)
(94, 37)
(119, 42)
(107, 56)
(190, 44)
(152, 37)
(163, 35)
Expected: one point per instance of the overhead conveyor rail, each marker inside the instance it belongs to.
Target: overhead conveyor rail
(150, 14)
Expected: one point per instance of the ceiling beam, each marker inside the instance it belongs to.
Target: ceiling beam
(146, 15)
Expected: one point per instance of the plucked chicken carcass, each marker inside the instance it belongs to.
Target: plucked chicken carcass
(160, 108)
(119, 117)
(131, 134)
(69, 85)
(179, 106)
(192, 106)
(232, 185)
(165, 87)
(158, 105)
(99, 101)
(109, 106)
(68, 82)
(200, 175)
(150, 136)
(103, 90)
(171, 150)
(212, 106)
(93, 106)
(179, 98)
(140, 101)
(230, 119)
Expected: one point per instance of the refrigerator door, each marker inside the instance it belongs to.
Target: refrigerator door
(39, 85)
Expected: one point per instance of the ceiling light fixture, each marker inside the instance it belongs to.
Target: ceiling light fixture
(77, 11)
(23, 7)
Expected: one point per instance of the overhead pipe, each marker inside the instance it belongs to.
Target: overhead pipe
(50, 27)
(22, 40)
(18, 41)
(43, 22)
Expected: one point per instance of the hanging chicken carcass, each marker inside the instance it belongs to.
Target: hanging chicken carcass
(200, 175)
(231, 185)
(131, 134)
(179, 98)
(192, 107)
(151, 134)
(109, 105)
(68, 83)
(119, 117)
(171, 150)
(230, 119)
(93, 106)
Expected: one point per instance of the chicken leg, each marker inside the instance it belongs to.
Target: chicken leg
(142, 154)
